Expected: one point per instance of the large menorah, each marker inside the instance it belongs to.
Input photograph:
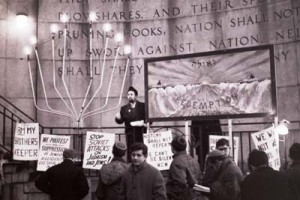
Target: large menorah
(80, 114)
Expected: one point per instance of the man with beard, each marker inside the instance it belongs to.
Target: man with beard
(133, 115)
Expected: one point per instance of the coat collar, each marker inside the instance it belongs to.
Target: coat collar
(139, 168)
(179, 153)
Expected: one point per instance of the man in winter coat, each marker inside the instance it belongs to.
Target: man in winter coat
(184, 172)
(142, 181)
(133, 112)
(227, 179)
(263, 183)
(110, 179)
(64, 181)
(293, 173)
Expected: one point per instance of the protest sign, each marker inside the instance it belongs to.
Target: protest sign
(159, 149)
(268, 141)
(26, 141)
(98, 149)
(213, 140)
(51, 150)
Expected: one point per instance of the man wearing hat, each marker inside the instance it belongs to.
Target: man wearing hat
(226, 178)
(133, 115)
(110, 178)
(64, 181)
(184, 172)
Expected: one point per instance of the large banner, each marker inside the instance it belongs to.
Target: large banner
(26, 141)
(51, 150)
(213, 140)
(268, 141)
(98, 149)
(235, 83)
(159, 149)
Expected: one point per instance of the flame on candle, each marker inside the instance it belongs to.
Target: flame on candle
(64, 18)
(27, 50)
(127, 49)
(119, 37)
(53, 28)
(107, 27)
(92, 17)
(33, 40)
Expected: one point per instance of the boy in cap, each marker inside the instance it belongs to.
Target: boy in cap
(222, 176)
(129, 114)
(110, 178)
(184, 172)
(64, 181)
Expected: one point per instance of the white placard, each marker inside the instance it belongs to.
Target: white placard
(214, 138)
(98, 149)
(26, 141)
(268, 141)
(159, 149)
(51, 150)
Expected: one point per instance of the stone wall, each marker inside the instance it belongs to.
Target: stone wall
(153, 29)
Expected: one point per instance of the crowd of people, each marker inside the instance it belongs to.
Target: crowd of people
(135, 179)
(138, 180)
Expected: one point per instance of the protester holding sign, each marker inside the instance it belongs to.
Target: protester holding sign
(183, 173)
(64, 181)
(110, 178)
(263, 183)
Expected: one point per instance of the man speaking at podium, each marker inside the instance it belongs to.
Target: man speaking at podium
(133, 115)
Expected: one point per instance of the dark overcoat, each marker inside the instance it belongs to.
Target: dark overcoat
(64, 181)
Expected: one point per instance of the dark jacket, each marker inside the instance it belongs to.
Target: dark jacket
(145, 183)
(128, 115)
(184, 172)
(64, 181)
(293, 175)
(110, 179)
(264, 183)
(229, 179)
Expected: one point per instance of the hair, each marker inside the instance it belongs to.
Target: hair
(222, 142)
(179, 143)
(118, 152)
(139, 146)
(258, 158)
(215, 159)
(294, 151)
